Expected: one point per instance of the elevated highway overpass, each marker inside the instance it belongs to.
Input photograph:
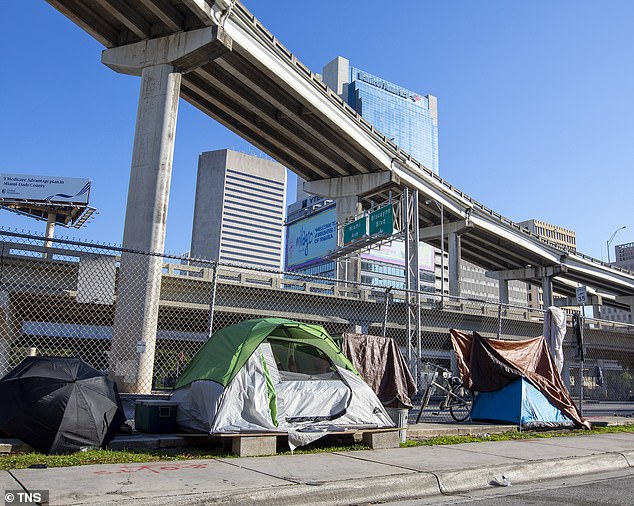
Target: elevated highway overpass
(256, 87)
(217, 56)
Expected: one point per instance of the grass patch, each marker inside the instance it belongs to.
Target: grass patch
(513, 435)
(25, 460)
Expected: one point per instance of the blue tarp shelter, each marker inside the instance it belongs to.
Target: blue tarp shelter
(520, 403)
(490, 366)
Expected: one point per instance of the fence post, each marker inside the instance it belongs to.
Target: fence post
(499, 320)
(212, 299)
(387, 305)
(5, 321)
(581, 357)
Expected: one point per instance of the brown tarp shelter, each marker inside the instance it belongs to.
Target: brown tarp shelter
(487, 365)
(382, 366)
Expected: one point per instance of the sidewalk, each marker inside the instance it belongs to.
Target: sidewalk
(330, 478)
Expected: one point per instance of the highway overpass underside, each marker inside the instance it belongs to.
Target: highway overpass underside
(218, 57)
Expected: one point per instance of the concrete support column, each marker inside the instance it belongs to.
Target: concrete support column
(547, 289)
(349, 268)
(136, 316)
(454, 264)
(597, 305)
(160, 62)
(503, 290)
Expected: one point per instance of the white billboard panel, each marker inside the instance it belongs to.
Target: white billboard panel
(394, 253)
(54, 189)
(310, 239)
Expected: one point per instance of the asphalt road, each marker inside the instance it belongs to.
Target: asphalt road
(601, 489)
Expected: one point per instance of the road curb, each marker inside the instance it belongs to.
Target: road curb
(452, 482)
(400, 487)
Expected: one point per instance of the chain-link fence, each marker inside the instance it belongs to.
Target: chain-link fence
(142, 317)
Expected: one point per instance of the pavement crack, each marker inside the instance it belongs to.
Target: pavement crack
(285, 478)
(17, 480)
(382, 463)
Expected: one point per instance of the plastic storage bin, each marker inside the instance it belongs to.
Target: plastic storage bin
(155, 416)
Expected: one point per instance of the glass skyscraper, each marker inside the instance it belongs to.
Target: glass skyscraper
(407, 118)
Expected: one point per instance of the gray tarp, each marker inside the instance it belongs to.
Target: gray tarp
(382, 366)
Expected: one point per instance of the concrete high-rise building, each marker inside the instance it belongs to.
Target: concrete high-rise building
(239, 209)
(560, 237)
(407, 118)
(625, 255)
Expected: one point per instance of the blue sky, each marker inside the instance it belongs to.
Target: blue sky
(535, 101)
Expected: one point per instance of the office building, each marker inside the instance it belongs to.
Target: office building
(558, 236)
(410, 121)
(239, 209)
(406, 118)
(624, 254)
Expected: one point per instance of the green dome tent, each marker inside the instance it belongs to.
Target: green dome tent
(274, 374)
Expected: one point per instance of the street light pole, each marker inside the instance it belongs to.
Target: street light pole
(609, 241)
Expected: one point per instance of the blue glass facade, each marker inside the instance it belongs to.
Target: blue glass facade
(405, 117)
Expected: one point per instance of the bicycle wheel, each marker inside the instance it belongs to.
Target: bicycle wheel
(461, 403)
(424, 401)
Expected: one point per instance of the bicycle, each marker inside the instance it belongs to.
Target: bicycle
(457, 398)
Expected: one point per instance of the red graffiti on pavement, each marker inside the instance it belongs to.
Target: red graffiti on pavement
(155, 468)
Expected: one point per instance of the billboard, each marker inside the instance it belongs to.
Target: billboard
(394, 253)
(310, 239)
(45, 189)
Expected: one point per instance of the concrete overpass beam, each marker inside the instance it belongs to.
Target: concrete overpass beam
(185, 51)
(546, 274)
(160, 63)
(454, 227)
(349, 186)
(527, 273)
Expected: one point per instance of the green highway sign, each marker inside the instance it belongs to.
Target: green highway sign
(354, 230)
(382, 221)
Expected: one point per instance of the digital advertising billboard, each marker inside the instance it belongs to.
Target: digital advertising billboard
(310, 239)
